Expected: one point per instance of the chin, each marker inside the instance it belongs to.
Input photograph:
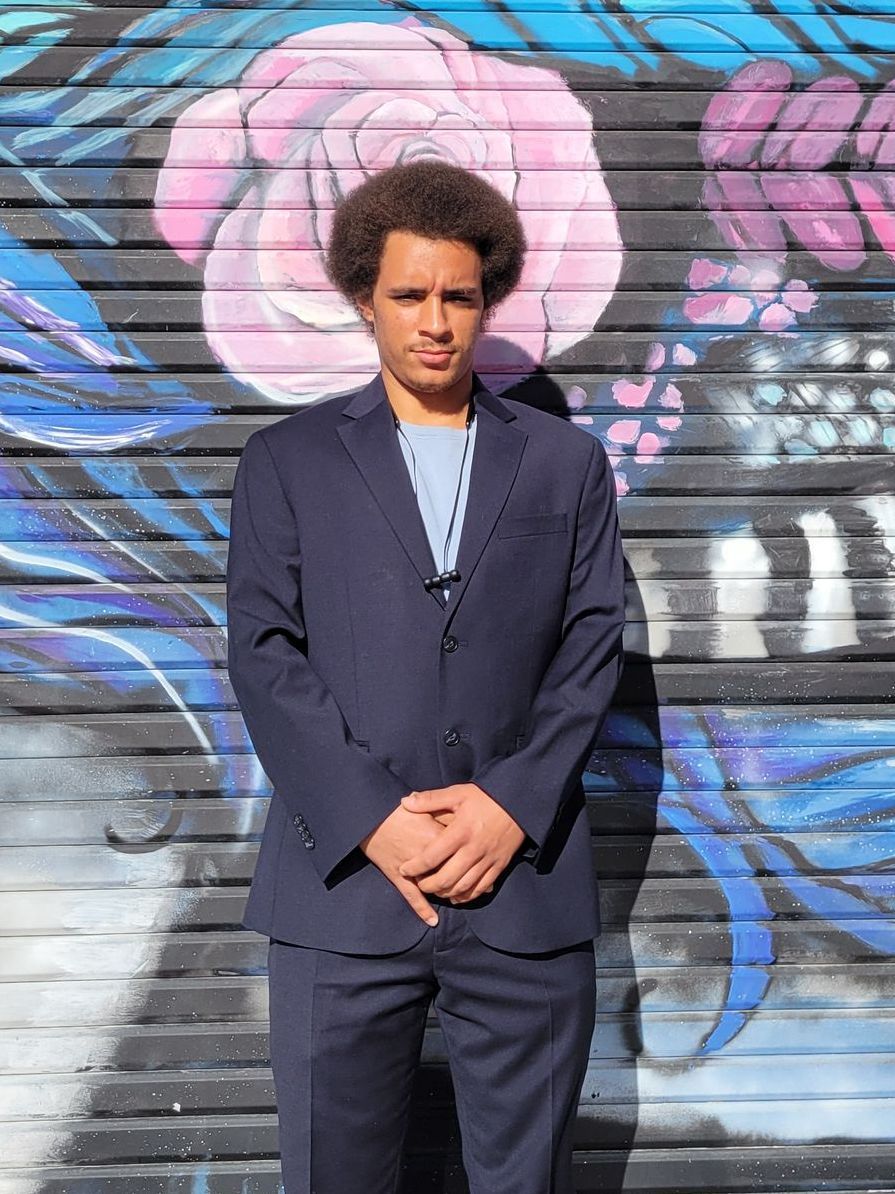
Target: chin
(431, 381)
(433, 385)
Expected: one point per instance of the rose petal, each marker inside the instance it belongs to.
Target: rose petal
(798, 297)
(233, 262)
(523, 311)
(337, 150)
(480, 72)
(288, 268)
(190, 230)
(704, 273)
(389, 51)
(765, 278)
(649, 444)
(566, 310)
(319, 308)
(629, 393)
(269, 338)
(776, 317)
(280, 122)
(305, 358)
(671, 397)
(624, 431)
(286, 229)
(718, 308)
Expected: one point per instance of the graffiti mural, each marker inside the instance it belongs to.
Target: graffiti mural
(707, 190)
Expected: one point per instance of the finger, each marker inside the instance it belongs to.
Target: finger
(443, 881)
(814, 126)
(432, 857)
(873, 137)
(467, 881)
(428, 802)
(473, 896)
(741, 213)
(876, 199)
(737, 117)
(417, 901)
(486, 883)
(815, 208)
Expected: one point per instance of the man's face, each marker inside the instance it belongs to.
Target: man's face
(426, 310)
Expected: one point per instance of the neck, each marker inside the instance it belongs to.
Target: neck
(442, 408)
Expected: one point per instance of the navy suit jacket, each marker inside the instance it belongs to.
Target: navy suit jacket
(359, 685)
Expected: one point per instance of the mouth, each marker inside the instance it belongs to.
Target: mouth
(434, 358)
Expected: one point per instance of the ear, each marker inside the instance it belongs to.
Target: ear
(365, 306)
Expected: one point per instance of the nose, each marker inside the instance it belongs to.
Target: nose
(433, 319)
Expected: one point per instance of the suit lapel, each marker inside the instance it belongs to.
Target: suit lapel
(495, 462)
(372, 442)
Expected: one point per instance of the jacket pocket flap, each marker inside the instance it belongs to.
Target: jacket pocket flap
(530, 524)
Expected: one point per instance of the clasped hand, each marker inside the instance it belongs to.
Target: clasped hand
(453, 842)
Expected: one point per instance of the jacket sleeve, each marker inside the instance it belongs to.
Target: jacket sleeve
(577, 687)
(328, 782)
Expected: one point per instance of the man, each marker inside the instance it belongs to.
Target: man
(425, 603)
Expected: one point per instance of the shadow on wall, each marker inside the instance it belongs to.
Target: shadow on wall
(626, 776)
(623, 781)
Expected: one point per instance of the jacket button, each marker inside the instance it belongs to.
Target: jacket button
(451, 737)
(449, 643)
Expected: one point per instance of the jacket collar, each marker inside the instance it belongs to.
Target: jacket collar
(374, 392)
(369, 436)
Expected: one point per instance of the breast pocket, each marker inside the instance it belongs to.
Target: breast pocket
(512, 525)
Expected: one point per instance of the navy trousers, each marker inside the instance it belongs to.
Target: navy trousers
(346, 1032)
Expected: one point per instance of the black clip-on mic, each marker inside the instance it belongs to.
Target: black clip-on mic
(432, 582)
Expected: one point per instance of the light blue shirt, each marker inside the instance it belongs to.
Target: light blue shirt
(438, 452)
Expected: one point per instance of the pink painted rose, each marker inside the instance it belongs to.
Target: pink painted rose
(314, 116)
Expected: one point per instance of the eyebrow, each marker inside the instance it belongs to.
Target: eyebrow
(469, 291)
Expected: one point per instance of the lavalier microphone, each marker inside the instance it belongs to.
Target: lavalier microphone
(433, 582)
